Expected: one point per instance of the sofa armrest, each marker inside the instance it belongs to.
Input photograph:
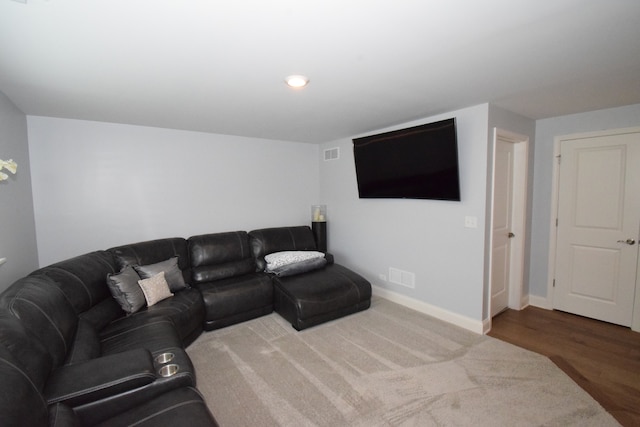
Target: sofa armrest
(99, 378)
(98, 411)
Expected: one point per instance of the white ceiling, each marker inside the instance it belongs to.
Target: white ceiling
(218, 66)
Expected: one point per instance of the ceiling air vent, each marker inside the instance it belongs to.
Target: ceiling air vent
(331, 154)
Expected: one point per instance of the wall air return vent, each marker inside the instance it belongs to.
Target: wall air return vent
(401, 277)
(331, 154)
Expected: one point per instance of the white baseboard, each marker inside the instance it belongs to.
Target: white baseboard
(477, 326)
(540, 302)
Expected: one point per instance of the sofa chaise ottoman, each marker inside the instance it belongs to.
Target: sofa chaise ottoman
(315, 296)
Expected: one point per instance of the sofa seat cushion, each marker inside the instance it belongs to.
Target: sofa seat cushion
(318, 296)
(185, 309)
(155, 333)
(183, 406)
(236, 299)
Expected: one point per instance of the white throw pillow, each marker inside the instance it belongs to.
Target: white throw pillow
(155, 289)
(278, 259)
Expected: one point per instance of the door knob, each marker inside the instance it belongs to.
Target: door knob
(511, 235)
(628, 241)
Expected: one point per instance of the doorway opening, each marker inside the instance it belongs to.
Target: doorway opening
(508, 221)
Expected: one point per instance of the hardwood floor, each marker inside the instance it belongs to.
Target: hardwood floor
(602, 358)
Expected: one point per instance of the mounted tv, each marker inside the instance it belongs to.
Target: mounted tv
(420, 162)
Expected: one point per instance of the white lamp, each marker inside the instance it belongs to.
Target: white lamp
(9, 165)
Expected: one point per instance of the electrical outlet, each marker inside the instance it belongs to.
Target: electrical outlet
(471, 222)
(382, 277)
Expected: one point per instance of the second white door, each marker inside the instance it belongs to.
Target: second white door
(598, 226)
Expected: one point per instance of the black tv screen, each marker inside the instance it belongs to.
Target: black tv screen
(420, 162)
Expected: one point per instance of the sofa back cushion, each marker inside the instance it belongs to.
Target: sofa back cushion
(26, 349)
(45, 312)
(269, 240)
(83, 279)
(21, 401)
(152, 252)
(220, 255)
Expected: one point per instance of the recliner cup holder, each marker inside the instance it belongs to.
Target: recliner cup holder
(168, 370)
(164, 358)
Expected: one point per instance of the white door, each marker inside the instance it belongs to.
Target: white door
(501, 225)
(598, 226)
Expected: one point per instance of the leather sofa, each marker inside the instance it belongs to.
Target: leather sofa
(70, 355)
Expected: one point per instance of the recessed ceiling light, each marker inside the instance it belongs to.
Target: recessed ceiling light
(297, 81)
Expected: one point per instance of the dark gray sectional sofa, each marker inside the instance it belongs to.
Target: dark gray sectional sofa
(71, 356)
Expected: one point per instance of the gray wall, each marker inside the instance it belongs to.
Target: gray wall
(98, 185)
(17, 229)
(546, 131)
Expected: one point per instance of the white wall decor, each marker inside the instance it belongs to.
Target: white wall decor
(10, 166)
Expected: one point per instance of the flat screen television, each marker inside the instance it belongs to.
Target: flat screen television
(420, 162)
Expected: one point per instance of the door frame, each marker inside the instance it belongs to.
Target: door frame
(517, 300)
(553, 229)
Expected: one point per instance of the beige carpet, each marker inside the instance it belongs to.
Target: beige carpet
(387, 366)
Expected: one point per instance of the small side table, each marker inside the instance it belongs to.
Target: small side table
(319, 229)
